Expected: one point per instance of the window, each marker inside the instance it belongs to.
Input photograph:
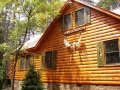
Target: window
(27, 61)
(111, 52)
(24, 62)
(108, 52)
(48, 59)
(82, 16)
(79, 17)
(67, 21)
(21, 63)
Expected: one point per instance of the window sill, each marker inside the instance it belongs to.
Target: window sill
(67, 29)
(23, 69)
(82, 25)
(112, 65)
(47, 69)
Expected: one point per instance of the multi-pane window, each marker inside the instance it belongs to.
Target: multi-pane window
(67, 21)
(111, 52)
(24, 62)
(48, 60)
(82, 16)
(79, 17)
(108, 52)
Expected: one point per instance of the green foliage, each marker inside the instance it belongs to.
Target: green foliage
(2, 73)
(30, 15)
(21, 18)
(108, 4)
(32, 80)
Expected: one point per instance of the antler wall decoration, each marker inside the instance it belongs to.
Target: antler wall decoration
(74, 44)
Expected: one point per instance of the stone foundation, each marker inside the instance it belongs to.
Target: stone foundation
(62, 86)
(17, 85)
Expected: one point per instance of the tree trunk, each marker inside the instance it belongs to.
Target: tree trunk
(13, 75)
(14, 70)
(17, 51)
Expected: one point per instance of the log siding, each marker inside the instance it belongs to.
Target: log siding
(79, 66)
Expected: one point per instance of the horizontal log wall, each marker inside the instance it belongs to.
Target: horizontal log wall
(80, 66)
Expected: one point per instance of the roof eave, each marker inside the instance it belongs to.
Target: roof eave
(63, 8)
(99, 8)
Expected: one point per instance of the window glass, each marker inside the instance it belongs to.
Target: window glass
(79, 17)
(21, 63)
(112, 52)
(48, 59)
(112, 58)
(27, 61)
(111, 46)
(67, 21)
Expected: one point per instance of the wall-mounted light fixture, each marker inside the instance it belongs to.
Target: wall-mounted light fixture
(70, 3)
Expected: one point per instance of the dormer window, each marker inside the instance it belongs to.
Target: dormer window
(79, 17)
(82, 16)
(67, 21)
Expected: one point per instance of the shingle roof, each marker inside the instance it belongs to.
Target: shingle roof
(117, 10)
(32, 42)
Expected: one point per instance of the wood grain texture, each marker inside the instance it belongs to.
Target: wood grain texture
(80, 66)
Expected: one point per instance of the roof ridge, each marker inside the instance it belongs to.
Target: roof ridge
(98, 8)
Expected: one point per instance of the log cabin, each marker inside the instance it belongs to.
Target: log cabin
(80, 50)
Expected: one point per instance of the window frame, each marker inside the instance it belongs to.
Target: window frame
(84, 8)
(87, 19)
(75, 17)
(101, 59)
(71, 21)
(50, 61)
(53, 61)
(27, 68)
(105, 61)
(25, 60)
(19, 66)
